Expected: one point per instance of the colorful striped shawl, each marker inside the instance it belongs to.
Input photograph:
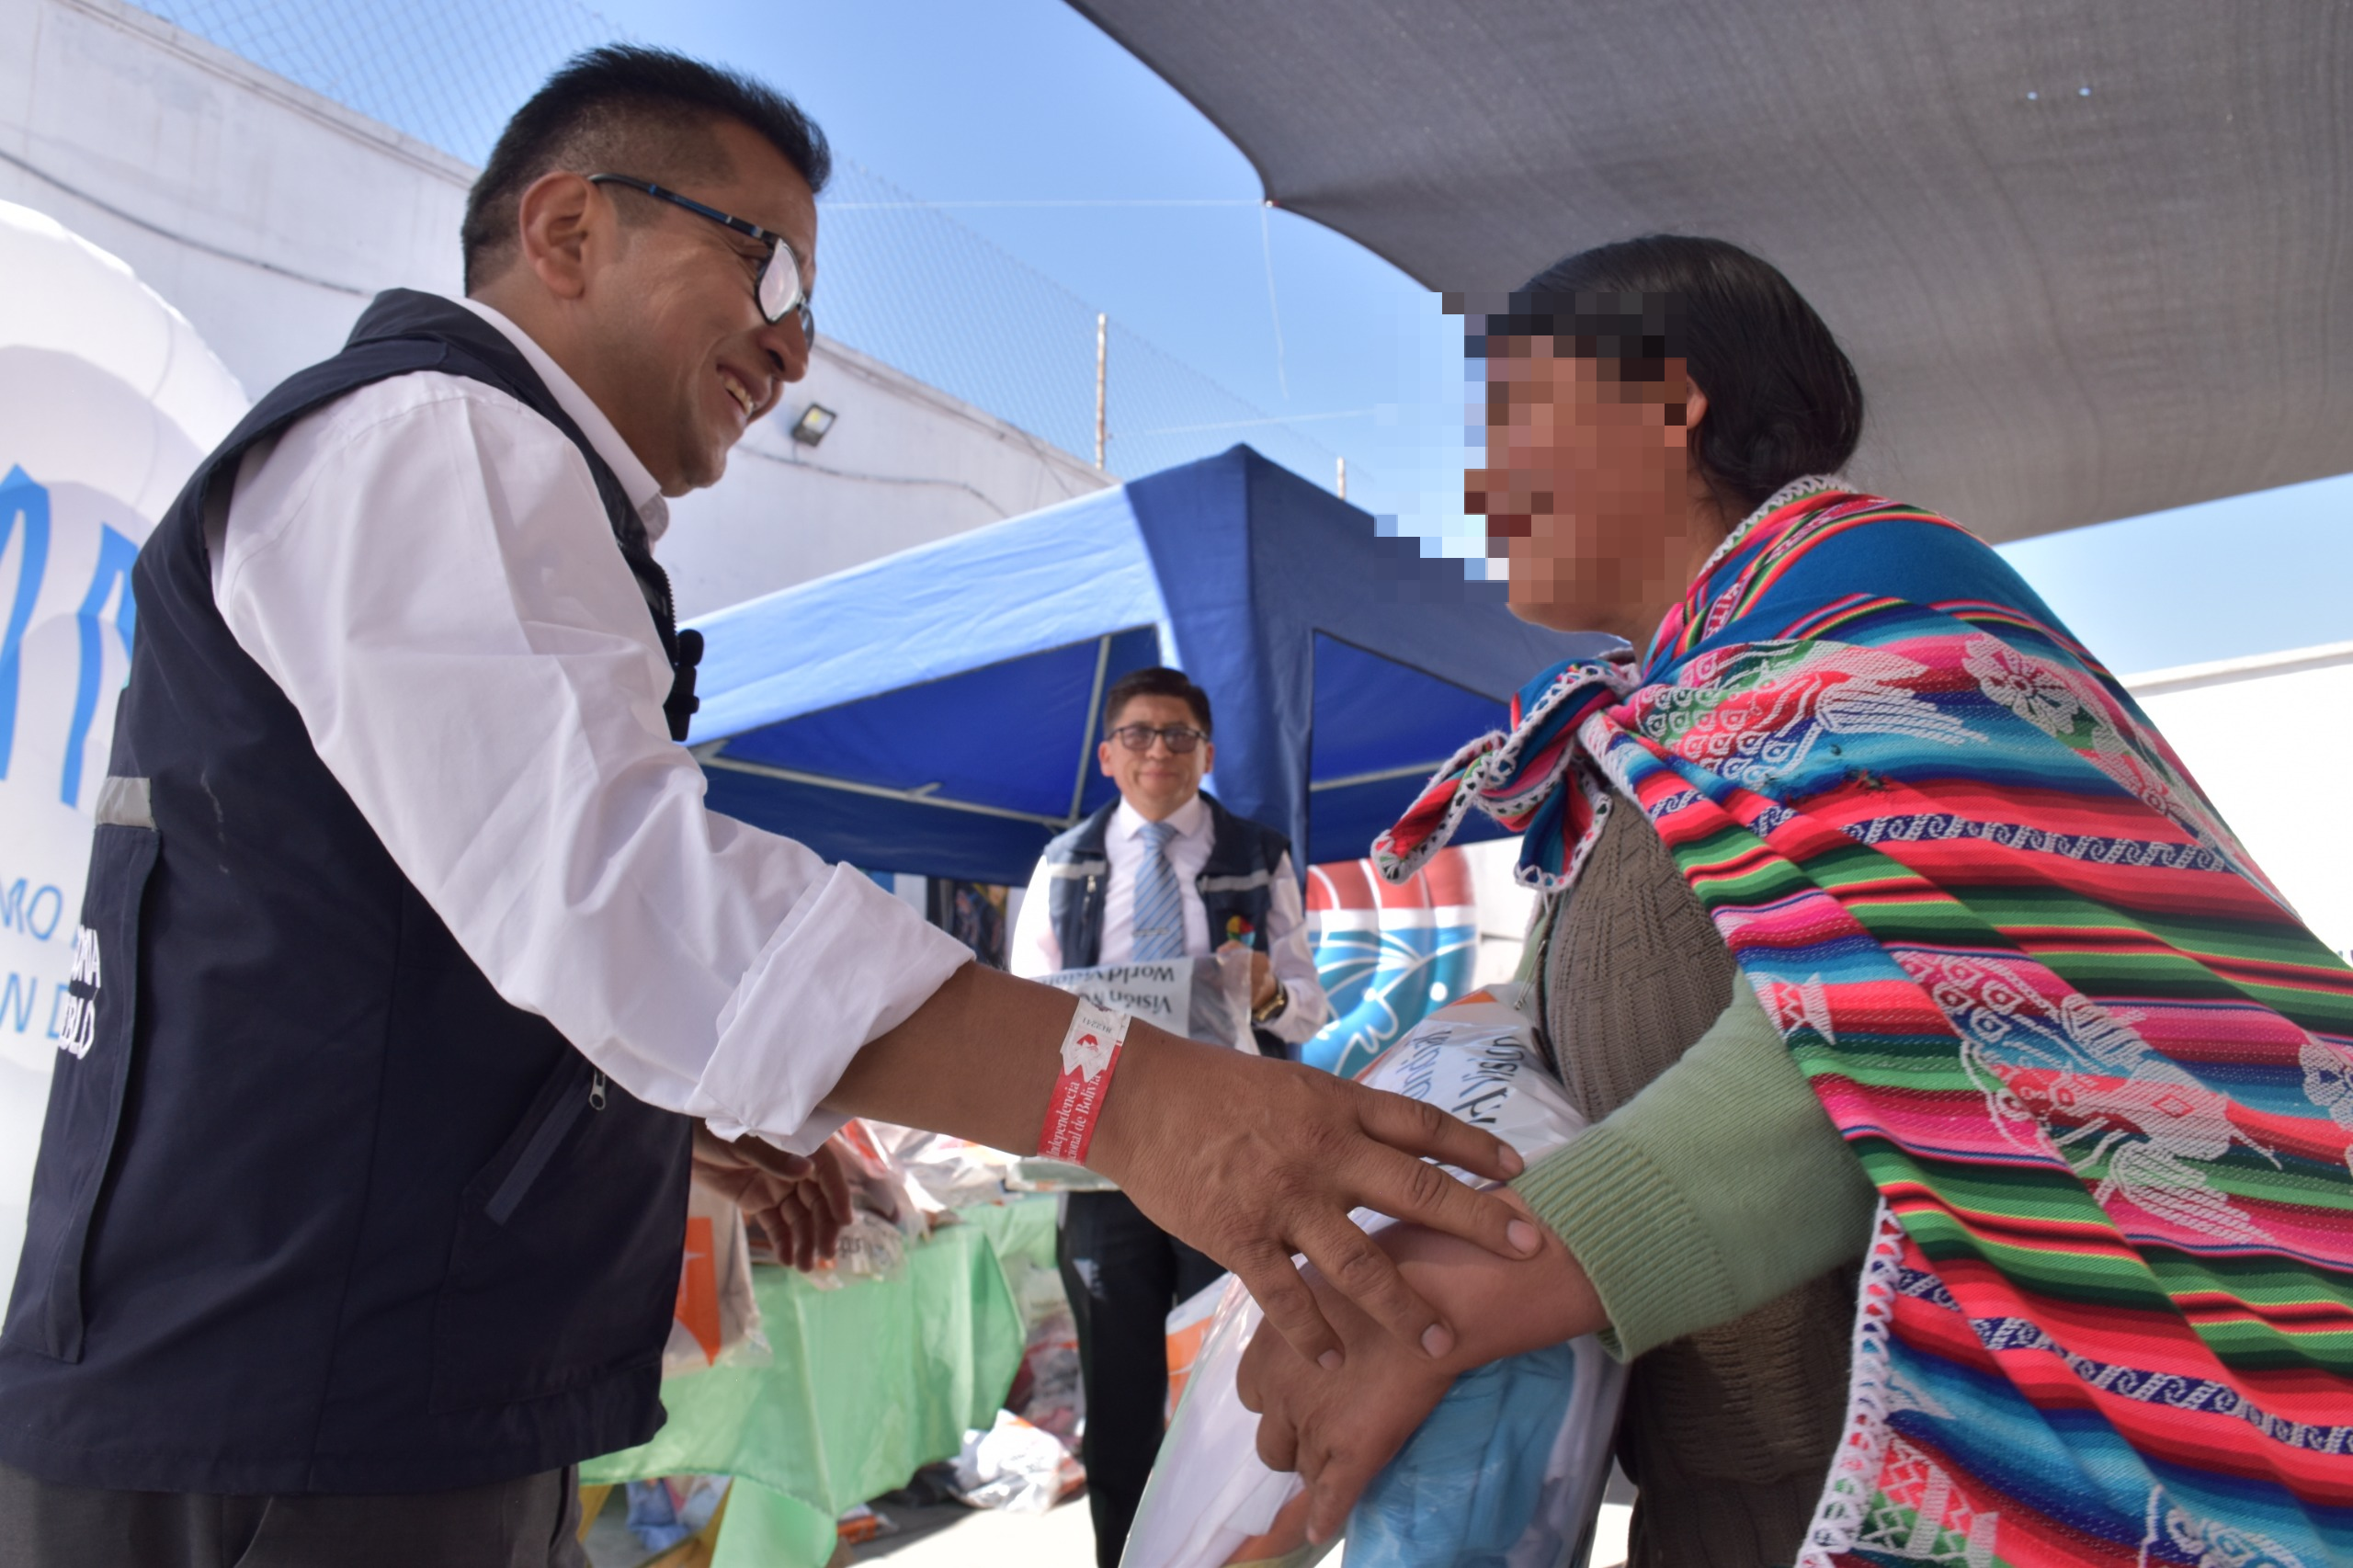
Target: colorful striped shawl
(2100, 1074)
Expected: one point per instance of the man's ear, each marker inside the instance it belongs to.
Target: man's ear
(1103, 758)
(1209, 757)
(556, 222)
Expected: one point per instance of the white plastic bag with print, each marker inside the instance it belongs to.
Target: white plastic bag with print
(717, 1318)
(1508, 1469)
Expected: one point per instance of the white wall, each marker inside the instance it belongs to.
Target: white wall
(904, 464)
(2267, 739)
(269, 215)
(1505, 908)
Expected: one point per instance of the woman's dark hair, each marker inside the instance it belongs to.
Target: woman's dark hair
(1155, 680)
(648, 109)
(1783, 401)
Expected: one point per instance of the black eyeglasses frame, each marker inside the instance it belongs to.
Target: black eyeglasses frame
(1167, 735)
(780, 248)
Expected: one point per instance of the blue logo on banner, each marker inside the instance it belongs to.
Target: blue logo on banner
(24, 506)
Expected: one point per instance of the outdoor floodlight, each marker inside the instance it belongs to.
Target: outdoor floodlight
(814, 421)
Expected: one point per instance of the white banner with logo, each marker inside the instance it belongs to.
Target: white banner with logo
(107, 397)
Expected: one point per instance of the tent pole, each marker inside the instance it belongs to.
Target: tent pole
(1344, 477)
(1102, 357)
(1094, 715)
(921, 796)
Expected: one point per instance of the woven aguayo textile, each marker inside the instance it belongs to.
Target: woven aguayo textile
(2098, 1071)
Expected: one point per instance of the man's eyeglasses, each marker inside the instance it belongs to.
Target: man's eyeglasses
(1180, 739)
(779, 289)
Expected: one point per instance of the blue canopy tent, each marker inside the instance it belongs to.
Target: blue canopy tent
(937, 712)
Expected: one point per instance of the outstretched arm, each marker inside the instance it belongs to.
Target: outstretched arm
(1247, 1159)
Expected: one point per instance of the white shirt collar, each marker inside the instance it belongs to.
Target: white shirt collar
(645, 492)
(1189, 820)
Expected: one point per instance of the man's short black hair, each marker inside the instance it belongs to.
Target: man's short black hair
(1155, 680)
(622, 109)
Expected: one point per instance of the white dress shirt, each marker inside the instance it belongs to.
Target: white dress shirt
(425, 569)
(1036, 949)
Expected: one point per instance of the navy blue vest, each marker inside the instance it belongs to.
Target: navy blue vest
(1236, 885)
(315, 1210)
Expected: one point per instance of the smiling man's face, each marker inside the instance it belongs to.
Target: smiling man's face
(683, 359)
(1156, 781)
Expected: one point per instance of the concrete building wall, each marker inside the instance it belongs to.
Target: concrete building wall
(269, 215)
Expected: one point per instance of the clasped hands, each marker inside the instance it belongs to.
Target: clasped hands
(1338, 1424)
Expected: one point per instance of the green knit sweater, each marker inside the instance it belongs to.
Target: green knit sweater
(1719, 1186)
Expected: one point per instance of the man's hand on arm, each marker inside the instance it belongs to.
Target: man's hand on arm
(1263, 984)
(1338, 1427)
(799, 1202)
(1247, 1159)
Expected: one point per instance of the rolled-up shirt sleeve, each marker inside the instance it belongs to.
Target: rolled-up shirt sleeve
(426, 571)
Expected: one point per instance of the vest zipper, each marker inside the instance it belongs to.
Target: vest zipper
(541, 1148)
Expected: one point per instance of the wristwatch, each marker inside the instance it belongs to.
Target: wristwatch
(1273, 1009)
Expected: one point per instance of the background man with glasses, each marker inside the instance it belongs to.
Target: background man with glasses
(1163, 873)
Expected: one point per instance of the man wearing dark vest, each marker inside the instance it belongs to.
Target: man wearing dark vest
(412, 960)
(1165, 871)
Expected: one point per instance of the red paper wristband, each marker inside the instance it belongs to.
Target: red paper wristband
(1090, 1051)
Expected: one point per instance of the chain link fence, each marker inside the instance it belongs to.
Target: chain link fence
(901, 280)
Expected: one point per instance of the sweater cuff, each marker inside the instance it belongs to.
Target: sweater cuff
(1636, 1235)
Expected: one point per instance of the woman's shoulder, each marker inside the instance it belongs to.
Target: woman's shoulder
(1862, 547)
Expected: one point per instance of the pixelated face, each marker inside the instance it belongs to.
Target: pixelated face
(1155, 781)
(699, 360)
(1587, 487)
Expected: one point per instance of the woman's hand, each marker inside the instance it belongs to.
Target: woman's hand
(1338, 1427)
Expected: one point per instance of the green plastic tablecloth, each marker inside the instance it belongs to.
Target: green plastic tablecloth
(866, 1385)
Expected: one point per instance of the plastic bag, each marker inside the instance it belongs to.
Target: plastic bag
(1507, 1470)
(1016, 1467)
(716, 1318)
(1048, 1390)
(870, 1247)
(668, 1509)
(1187, 1331)
(1206, 999)
(937, 1173)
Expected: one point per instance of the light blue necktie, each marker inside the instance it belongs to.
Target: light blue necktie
(1159, 911)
